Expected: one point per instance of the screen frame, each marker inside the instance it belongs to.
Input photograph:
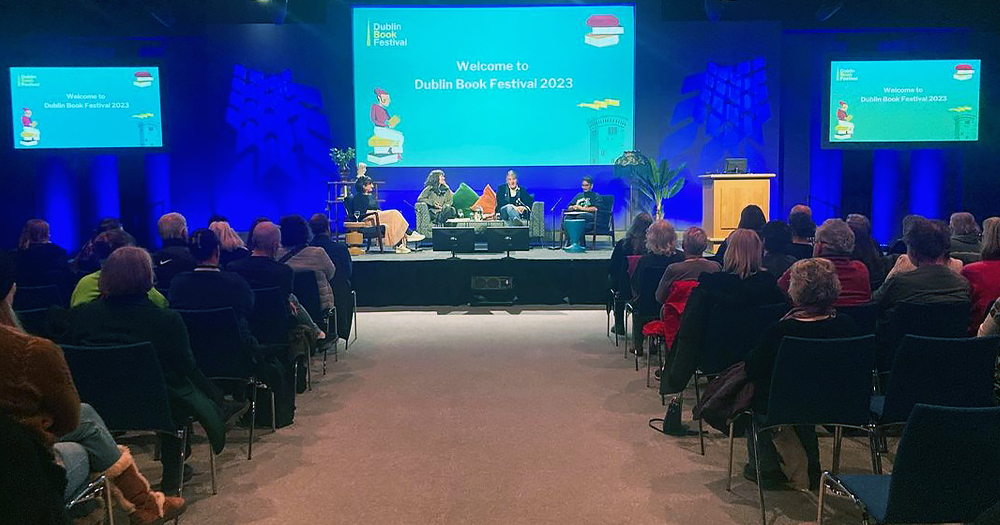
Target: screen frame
(826, 143)
(376, 5)
(119, 150)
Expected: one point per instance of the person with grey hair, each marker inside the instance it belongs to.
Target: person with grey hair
(694, 244)
(835, 243)
(174, 257)
(965, 234)
(814, 289)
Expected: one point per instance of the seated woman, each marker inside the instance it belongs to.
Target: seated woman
(41, 262)
(36, 390)
(661, 241)
(751, 218)
(777, 236)
(438, 198)
(634, 243)
(397, 230)
(513, 203)
(232, 246)
(866, 249)
(296, 253)
(814, 288)
(125, 315)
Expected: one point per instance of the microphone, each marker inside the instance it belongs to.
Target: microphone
(553, 208)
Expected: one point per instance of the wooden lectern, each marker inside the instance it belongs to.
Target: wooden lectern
(724, 195)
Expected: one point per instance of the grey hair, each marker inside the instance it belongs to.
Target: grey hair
(813, 282)
(837, 235)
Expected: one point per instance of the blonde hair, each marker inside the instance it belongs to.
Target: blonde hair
(172, 226)
(129, 270)
(813, 282)
(229, 240)
(744, 251)
(7, 316)
(661, 237)
(991, 239)
(695, 241)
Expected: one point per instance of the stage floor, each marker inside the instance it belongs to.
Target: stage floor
(426, 254)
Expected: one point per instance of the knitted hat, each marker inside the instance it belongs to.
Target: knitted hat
(379, 91)
(8, 273)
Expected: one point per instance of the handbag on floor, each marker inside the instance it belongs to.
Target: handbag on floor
(671, 423)
(725, 398)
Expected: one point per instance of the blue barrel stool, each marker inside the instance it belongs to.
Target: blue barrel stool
(574, 229)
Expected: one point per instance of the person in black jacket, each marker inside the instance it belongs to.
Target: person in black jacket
(513, 203)
(40, 262)
(341, 283)
(661, 240)
(174, 256)
(634, 243)
(397, 230)
(207, 287)
(777, 238)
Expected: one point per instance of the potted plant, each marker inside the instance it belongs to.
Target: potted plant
(656, 182)
(343, 159)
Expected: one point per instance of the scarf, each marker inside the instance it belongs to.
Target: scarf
(810, 312)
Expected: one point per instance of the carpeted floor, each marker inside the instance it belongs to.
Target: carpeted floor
(479, 417)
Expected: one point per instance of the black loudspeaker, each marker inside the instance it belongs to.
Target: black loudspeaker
(493, 290)
(491, 282)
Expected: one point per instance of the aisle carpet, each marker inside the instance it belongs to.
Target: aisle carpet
(484, 418)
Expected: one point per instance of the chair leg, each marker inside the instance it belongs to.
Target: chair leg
(253, 418)
(108, 507)
(697, 401)
(838, 440)
(729, 476)
(626, 334)
(211, 466)
(649, 357)
(756, 465)
(822, 492)
(873, 445)
(641, 345)
(354, 325)
(182, 434)
(274, 421)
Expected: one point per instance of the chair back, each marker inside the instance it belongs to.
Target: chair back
(124, 384)
(269, 319)
(864, 315)
(946, 466)
(732, 331)
(216, 343)
(930, 320)
(36, 297)
(940, 371)
(647, 305)
(822, 382)
(604, 218)
(349, 207)
(632, 261)
(34, 321)
(306, 290)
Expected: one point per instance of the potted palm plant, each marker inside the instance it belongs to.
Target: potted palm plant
(657, 182)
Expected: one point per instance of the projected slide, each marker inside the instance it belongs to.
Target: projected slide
(904, 101)
(493, 86)
(86, 107)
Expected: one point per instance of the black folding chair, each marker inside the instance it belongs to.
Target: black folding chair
(930, 320)
(645, 306)
(222, 357)
(38, 297)
(375, 231)
(945, 470)
(125, 385)
(816, 382)
(307, 291)
(864, 315)
(34, 321)
(269, 321)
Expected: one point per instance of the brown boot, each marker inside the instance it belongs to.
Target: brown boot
(144, 506)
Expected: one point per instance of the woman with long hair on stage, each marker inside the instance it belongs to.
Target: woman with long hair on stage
(397, 230)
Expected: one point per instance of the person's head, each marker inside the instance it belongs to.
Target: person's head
(752, 218)
(813, 283)
(909, 221)
(128, 271)
(436, 179)
(8, 287)
(802, 226)
(777, 236)
(661, 237)
(801, 208)
(172, 226)
(250, 239)
(382, 96)
(107, 242)
(860, 224)
(229, 240)
(587, 184)
(26, 111)
(744, 251)
(108, 224)
(834, 237)
(364, 184)
(991, 239)
(963, 223)
(35, 231)
(266, 239)
(362, 169)
(511, 179)
(205, 246)
(294, 230)
(695, 242)
(636, 235)
(927, 242)
(216, 217)
(319, 224)
(843, 104)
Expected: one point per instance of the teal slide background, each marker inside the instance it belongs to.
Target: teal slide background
(88, 127)
(929, 121)
(541, 127)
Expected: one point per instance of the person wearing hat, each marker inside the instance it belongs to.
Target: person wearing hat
(384, 123)
(37, 391)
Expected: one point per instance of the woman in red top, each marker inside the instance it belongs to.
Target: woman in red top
(984, 276)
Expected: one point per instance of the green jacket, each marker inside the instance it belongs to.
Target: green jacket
(135, 319)
(436, 200)
(86, 291)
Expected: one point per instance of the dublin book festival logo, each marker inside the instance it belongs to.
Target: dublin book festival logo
(604, 31)
(964, 72)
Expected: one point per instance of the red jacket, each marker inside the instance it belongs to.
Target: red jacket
(984, 281)
(855, 288)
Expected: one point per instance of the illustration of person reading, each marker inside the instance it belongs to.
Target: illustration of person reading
(29, 131)
(387, 142)
(844, 128)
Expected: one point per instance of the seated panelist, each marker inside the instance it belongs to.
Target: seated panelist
(513, 202)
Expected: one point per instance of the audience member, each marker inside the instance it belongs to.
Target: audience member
(931, 281)
(174, 256)
(898, 246)
(814, 288)
(250, 239)
(261, 270)
(803, 230)
(87, 260)
(835, 242)
(661, 241)
(965, 241)
(634, 243)
(438, 197)
(741, 283)
(207, 286)
(104, 245)
(230, 244)
(341, 257)
(984, 276)
(867, 250)
(751, 218)
(41, 262)
(693, 246)
(777, 236)
(125, 315)
(397, 230)
(296, 253)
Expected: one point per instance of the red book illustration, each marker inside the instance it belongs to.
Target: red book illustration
(963, 67)
(602, 21)
(142, 74)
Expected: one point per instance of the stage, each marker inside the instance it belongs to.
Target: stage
(427, 278)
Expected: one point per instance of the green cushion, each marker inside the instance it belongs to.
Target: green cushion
(464, 197)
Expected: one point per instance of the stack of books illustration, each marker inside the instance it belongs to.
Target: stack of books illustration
(384, 150)
(604, 31)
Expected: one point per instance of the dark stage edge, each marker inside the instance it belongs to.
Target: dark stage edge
(427, 278)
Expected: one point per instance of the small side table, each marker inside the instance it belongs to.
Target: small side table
(574, 228)
(354, 238)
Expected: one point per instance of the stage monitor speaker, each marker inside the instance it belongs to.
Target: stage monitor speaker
(457, 240)
(492, 282)
(492, 290)
(507, 239)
